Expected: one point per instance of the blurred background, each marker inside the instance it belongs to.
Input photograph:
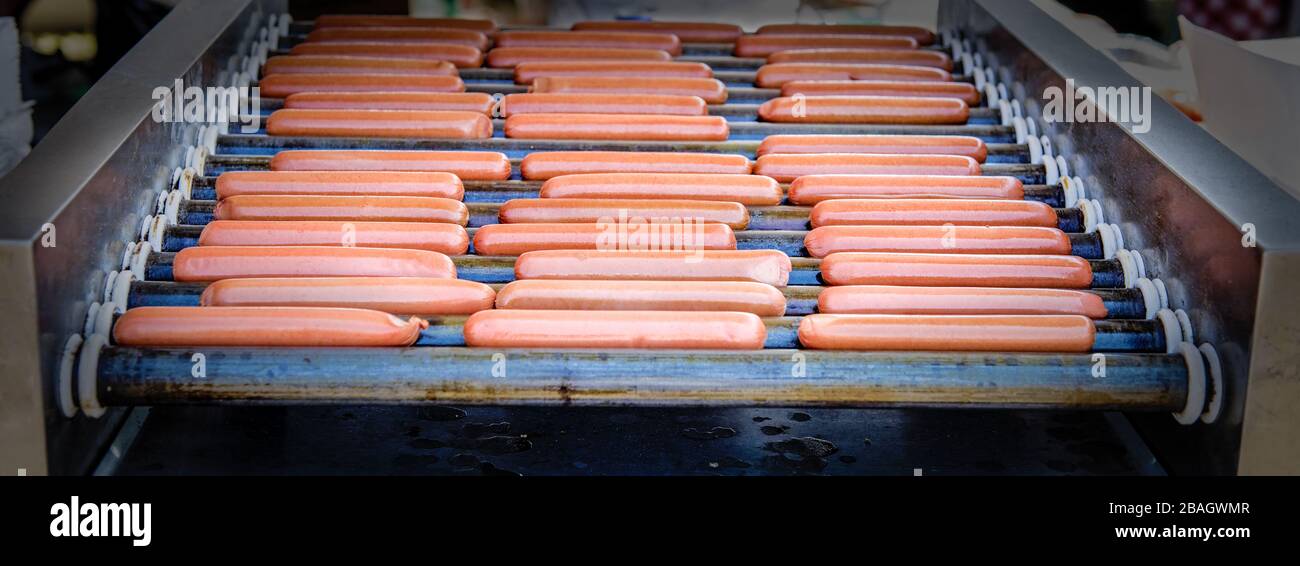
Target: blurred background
(52, 51)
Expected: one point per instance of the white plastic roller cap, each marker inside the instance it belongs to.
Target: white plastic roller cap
(1108, 244)
(139, 258)
(156, 232)
(1004, 112)
(1083, 189)
(1131, 273)
(989, 76)
(1119, 236)
(110, 283)
(979, 62)
(1141, 263)
(173, 210)
(1047, 146)
(1031, 126)
(88, 374)
(978, 75)
(122, 291)
(1049, 165)
(1173, 332)
(67, 404)
(1150, 297)
(1062, 166)
(990, 95)
(1195, 405)
(1214, 406)
(1016, 110)
(968, 62)
(1002, 91)
(1184, 323)
(1035, 150)
(1021, 133)
(1071, 195)
(1091, 218)
(285, 20)
(104, 320)
(1164, 294)
(92, 315)
(1094, 206)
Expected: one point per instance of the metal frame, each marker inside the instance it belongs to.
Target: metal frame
(1186, 215)
(92, 179)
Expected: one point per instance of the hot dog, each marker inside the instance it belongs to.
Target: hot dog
(864, 110)
(398, 34)
(736, 296)
(547, 164)
(379, 124)
(957, 270)
(812, 189)
(358, 183)
(550, 103)
(396, 295)
(615, 329)
(966, 92)
(761, 266)
(887, 299)
(788, 167)
(336, 207)
(648, 127)
(774, 75)
(921, 35)
(764, 45)
(688, 32)
(517, 239)
(163, 327)
(749, 190)
(827, 240)
(992, 333)
(480, 102)
(280, 86)
(350, 20)
(432, 236)
(526, 73)
(462, 56)
(467, 165)
(918, 57)
(339, 64)
(711, 91)
(971, 147)
(212, 263)
(588, 210)
(591, 40)
(932, 212)
(502, 57)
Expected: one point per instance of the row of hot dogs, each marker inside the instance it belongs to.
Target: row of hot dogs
(920, 250)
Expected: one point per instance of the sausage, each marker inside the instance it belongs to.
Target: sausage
(864, 110)
(161, 327)
(827, 240)
(774, 75)
(526, 73)
(379, 124)
(467, 165)
(516, 239)
(480, 102)
(280, 86)
(711, 91)
(888, 299)
(587, 210)
(279, 181)
(351, 20)
(760, 266)
(462, 56)
(593, 40)
(957, 270)
(749, 190)
(337, 64)
(396, 295)
(917, 57)
(546, 164)
(969, 146)
(398, 34)
(552, 103)
(921, 35)
(502, 57)
(989, 333)
(734, 296)
(641, 127)
(212, 263)
(615, 329)
(764, 45)
(342, 207)
(812, 189)
(788, 167)
(688, 32)
(432, 236)
(966, 92)
(932, 212)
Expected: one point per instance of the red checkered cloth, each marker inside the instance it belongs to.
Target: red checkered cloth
(1237, 19)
